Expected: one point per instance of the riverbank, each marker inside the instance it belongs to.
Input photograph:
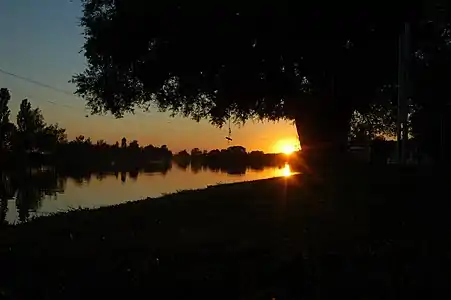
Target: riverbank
(376, 233)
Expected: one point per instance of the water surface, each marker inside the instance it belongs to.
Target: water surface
(45, 191)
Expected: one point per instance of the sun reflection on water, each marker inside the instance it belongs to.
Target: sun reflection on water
(285, 171)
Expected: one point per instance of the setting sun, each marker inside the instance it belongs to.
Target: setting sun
(287, 146)
(288, 149)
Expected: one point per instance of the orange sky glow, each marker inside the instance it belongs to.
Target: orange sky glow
(153, 127)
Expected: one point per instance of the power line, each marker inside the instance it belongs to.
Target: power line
(36, 82)
(29, 80)
(59, 104)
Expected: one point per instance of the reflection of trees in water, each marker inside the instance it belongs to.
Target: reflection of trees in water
(6, 193)
(83, 175)
(234, 160)
(30, 187)
(196, 168)
(231, 169)
(133, 175)
(100, 176)
(182, 164)
(236, 170)
(28, 199)
(161, 167)
(167, 168)
(214, 169)
(79, 178)
(257, 168)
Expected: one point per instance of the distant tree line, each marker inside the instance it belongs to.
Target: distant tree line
(31, 141)
(83, 153)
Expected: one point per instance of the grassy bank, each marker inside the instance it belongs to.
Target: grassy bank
(378, 233)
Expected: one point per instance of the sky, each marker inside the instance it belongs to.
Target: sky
(41, 40)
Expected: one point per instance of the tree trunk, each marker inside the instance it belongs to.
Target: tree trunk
(323, 133)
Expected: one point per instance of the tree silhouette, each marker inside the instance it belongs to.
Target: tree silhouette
(378, 120)
(28, 119)
(101, 144)
(80, 139)
(196, 152)
(4, 109)
(133, 145)
(313, 64)
(124, 143)
(6, 128)
(51, 137)
(183, 153)
(30, 123)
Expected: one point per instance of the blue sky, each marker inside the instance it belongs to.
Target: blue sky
(41, 40)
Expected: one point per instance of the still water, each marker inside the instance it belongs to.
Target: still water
(45, 191)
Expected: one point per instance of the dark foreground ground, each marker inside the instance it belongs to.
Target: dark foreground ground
(374, 234)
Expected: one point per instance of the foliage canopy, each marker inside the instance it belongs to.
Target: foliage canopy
(225, 59)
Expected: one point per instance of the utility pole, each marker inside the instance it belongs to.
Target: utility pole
(403, 108)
